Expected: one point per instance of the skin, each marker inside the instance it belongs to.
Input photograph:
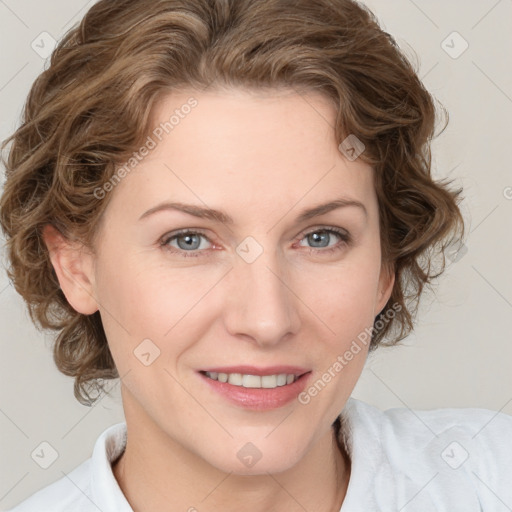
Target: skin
(262, 158)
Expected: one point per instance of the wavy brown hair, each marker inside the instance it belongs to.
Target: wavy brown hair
(91, 109)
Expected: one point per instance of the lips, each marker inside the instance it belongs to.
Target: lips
(257, 388)
(254, 370)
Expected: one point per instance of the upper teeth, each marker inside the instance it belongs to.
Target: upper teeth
(253, 381)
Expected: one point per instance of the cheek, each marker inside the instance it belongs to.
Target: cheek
(140, 299)
(142, 291)
(343, 297)
(343, 305)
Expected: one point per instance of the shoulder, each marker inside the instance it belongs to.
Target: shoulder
(403, 428)
(89, 487)
(71, 492)
(450, 454)
(480, 437)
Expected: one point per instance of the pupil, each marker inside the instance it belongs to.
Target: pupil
(189, 241)
(318, 238)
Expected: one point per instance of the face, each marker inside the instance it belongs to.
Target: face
(262, 290)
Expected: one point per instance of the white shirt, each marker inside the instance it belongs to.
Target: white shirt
(443, 460)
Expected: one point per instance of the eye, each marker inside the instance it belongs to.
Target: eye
(321, 237)
(186, 241)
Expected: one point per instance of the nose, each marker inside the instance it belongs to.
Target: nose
(261, 304)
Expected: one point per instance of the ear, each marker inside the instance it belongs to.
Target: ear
(74, 267)
(386, 283)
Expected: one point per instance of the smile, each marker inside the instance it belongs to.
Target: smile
(253, 381)
(257, 388)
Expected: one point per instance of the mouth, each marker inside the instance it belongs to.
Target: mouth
(254, 381)
(255, 388)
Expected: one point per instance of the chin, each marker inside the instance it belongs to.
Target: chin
(271, 465)
(256, 457)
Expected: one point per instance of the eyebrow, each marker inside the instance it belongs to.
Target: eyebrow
(223, 217)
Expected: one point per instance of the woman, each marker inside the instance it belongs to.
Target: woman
(228, 205)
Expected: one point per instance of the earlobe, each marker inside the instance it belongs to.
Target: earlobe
(386, 284)
(73, 265)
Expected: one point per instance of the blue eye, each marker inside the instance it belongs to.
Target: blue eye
(188, 243)
(319, 237)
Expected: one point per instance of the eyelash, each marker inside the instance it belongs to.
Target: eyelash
(346, 239)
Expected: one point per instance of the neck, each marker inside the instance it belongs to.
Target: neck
(155, 471)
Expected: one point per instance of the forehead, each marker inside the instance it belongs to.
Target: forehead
(239, 147)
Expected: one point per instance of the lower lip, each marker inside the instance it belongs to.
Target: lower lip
(259, 399)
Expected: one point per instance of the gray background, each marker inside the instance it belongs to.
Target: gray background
(461, 351)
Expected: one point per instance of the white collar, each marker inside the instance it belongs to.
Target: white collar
(373, 480)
